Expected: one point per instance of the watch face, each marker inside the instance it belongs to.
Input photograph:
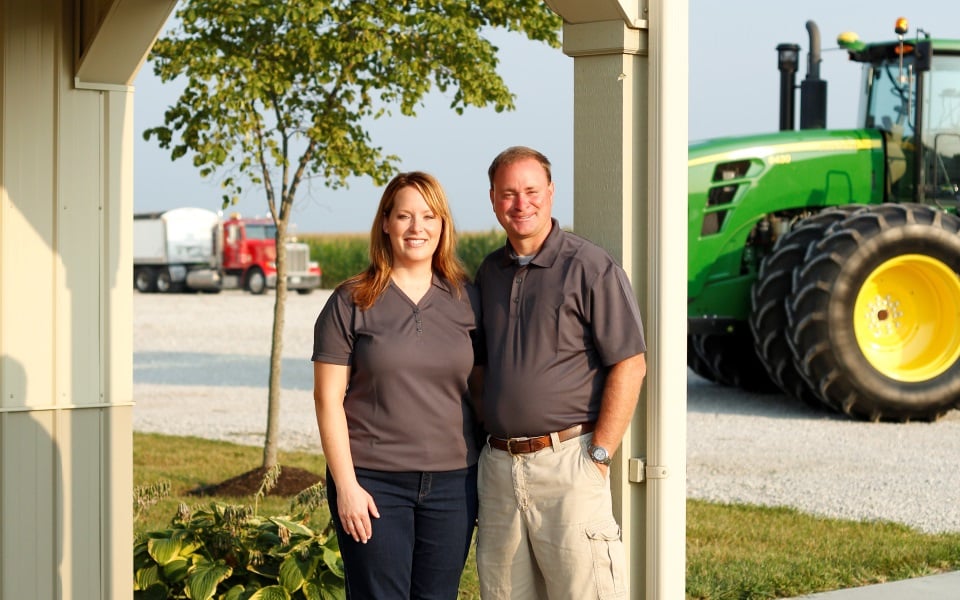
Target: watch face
(598, 454)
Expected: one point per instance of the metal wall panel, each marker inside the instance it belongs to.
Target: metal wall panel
(116, 277)
(79, 241)
(82, 475)
(116, 507)
(66, 200)
(27, 229)
(29, 459)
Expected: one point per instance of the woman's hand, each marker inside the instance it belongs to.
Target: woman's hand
(355, 507)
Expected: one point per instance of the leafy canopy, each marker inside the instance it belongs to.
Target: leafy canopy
(270, 80)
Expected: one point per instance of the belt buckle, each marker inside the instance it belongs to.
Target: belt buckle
(511, 441)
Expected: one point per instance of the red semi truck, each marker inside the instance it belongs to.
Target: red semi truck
(195, 249)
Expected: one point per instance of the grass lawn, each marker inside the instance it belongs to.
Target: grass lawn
(733, 551)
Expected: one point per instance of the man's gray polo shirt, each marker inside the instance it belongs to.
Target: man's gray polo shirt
(407, 403)
(552, 329)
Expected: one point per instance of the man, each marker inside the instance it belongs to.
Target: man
(564, 366)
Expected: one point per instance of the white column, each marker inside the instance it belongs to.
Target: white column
(666, 274)
(630, 189)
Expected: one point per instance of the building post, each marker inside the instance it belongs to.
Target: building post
(630, 190)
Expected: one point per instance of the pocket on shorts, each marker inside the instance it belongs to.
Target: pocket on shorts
(609, 562)
(591, 468)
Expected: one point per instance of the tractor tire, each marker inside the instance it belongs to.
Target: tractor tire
(768, 315)
(733, 361)
(696, 364)
(873, 314)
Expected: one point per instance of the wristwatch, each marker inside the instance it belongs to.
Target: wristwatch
(598, 454)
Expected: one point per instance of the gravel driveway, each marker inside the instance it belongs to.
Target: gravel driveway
(201, 364)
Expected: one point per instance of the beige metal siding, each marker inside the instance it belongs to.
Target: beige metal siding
(82, 474)
(29, 102)
(79, 238)
(28, 457)
(66, 198)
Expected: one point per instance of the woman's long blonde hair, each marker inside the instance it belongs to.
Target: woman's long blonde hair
(368, 286)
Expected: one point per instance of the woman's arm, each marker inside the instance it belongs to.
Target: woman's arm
(354, 505)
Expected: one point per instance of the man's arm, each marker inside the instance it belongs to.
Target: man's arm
(620, 395)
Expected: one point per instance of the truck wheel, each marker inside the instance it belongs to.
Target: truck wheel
(305, 291)
(164, 283)
(873, 314)
(697, 364)
(768, 315)
(733, 361)
(145, 281)
(256, 282)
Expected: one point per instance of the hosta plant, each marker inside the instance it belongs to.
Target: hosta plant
(228, 552)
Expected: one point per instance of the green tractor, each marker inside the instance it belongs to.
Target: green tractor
(824, 263)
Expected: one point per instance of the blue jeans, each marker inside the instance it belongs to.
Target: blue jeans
(421, 540)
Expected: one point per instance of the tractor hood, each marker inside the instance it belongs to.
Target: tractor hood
(736, 182)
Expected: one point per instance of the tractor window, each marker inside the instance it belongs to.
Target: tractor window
(890, 106)
(890, 98)
(941, 130)
(942, 95)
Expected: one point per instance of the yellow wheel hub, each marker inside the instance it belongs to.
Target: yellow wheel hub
(907, 318)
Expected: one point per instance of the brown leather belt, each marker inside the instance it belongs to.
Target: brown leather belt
(525, 445)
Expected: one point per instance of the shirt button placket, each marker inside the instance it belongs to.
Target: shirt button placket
(515, 292)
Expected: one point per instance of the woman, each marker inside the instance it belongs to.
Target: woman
(393, 349)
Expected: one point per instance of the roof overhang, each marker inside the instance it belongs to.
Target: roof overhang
(114, 38)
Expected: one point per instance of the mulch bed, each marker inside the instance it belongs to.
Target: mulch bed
(292, 481)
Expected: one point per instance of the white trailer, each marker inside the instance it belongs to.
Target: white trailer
(176, 249)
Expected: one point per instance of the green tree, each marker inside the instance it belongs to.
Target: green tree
(280, 91)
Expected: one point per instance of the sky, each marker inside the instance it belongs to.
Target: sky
(733, 90)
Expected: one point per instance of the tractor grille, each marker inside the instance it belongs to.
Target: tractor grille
(298, 256)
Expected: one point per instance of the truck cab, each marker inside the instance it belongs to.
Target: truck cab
(250, 257)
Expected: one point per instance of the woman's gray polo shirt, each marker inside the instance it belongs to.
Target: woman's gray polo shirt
(552, 329)
(407, 404)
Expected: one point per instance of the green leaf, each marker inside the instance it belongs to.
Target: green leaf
(157, 591)
(331, 542)
(311, 591)
(294, 526)
(332, 587)
(294, 571)
(334, 562)
(203, 580)
(271, 592)
(176, 569)
(268, 569)
(163, 550)
(235, 593)
(145, 577)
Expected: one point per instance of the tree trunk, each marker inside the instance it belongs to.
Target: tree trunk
(276, 352)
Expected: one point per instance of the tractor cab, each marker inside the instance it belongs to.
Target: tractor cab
(911, 92)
